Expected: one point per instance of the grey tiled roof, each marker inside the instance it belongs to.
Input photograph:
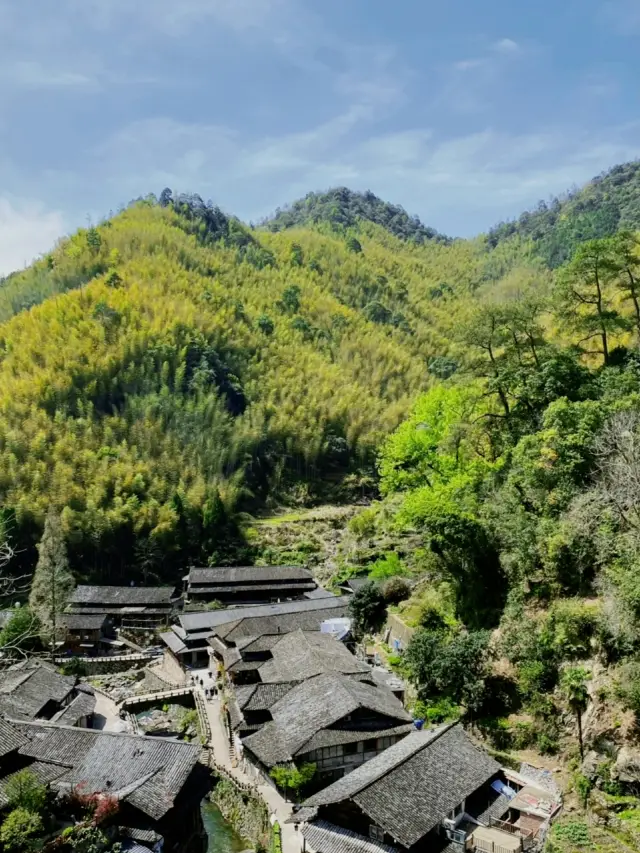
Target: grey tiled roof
(261, 697)
(276, 589)
(325, 837)
(333, 737)
(411, 786)
(83, 705)
(25, 691)
(211, 619)
(247, 574)
(302, 816)
(121, 596)
(173, 641)
(146, 772)
(303, 654)
(83, 621)
(314, 705)
(10, 738)
(319, 592)
(356, 584)
(264, 643)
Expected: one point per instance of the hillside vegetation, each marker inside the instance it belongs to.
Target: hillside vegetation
(169, 367)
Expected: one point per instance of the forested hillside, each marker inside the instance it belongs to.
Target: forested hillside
(605, 205)
(181, 367)
(171, 367)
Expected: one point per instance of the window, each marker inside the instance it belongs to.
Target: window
(376, 832)
(350, 748)
(372, 743)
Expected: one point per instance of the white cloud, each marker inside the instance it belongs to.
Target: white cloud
(508, 46)
(26, 231)
(32, 74)
(460, 185)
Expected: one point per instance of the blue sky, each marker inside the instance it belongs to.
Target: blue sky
(464, 111)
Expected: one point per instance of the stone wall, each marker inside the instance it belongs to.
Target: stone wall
(100, 665)
(156, 678)
(173, 669)
(245, 810)
(398, 630)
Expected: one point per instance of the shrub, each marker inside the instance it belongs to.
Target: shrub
(572, 624)
(396, 590)
(628, 687)
(440, 711)
(21, 830)
(388, 566)
(24, 791)
(363, 524)
(582, 786)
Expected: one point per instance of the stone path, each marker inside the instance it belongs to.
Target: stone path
(276, 803)
(106, 715)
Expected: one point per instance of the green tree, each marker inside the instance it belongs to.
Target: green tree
(293, 778)
(454, 667)
(23, 790)
(94, 241)
(52, 582)
(367, 609)
(585, 294)
(266, 324)
(21, 633)
(21, 831)
(574, 686)
(625, 252)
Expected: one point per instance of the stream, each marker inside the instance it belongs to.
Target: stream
(222, 838)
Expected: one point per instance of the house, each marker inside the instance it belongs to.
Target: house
(263, 669)
(433, 791)
(157, 783)
(84, 633)
(353, 585)
(249, 584)
(30, 691)
(332, 720)
(133, 607)
(290, 657)
(189, 642)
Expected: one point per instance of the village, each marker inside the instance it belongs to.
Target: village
(251, 676)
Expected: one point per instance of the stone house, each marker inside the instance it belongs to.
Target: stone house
(84, 633)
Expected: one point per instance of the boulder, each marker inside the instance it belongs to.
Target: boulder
(590, 765)
(627, 766)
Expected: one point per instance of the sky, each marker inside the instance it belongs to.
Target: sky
(465, 112)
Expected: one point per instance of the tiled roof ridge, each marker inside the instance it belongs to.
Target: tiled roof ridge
(47, 724)
(446, 728)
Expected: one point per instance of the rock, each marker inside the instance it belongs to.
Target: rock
(590, 765)
(627, 766)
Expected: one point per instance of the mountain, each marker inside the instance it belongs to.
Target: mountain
(170, 367)
(343, 208)
(607, 204)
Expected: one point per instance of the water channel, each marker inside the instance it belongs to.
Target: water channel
(222, 838)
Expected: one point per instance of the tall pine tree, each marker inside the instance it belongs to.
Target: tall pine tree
(52, 581)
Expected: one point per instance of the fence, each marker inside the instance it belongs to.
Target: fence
(114, 663)
(152, 698)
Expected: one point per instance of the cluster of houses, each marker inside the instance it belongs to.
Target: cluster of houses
(46, 727)
(293, 694)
